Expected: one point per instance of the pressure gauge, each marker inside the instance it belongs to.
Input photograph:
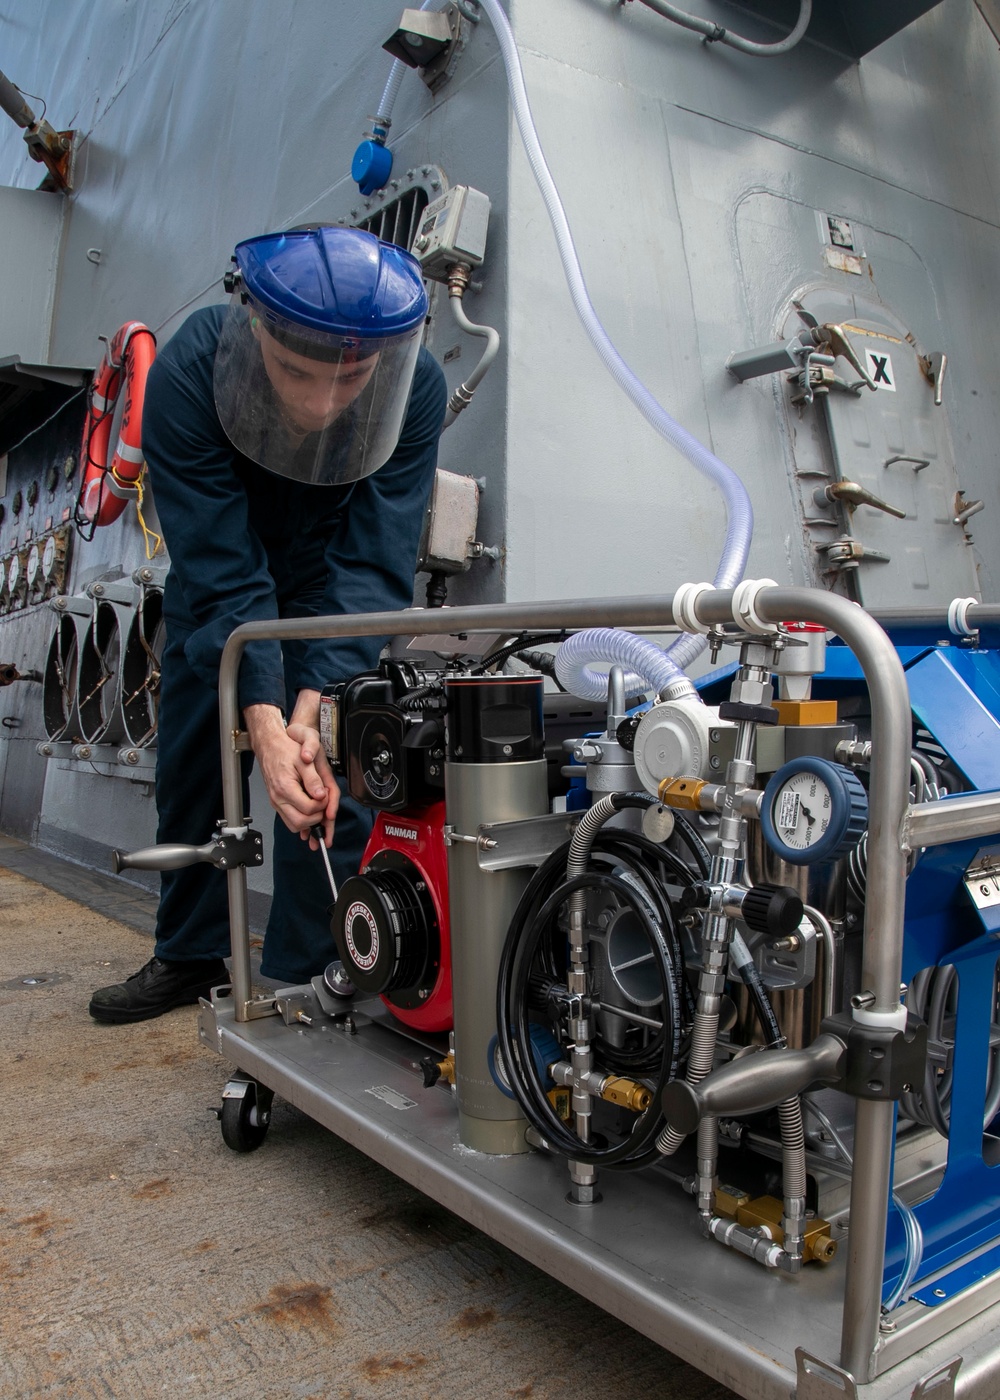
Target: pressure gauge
(813, 810)
(32, 566)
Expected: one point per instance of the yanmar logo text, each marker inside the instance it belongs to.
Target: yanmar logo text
(404, 833)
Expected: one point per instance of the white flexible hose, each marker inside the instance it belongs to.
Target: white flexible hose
(718, 34)
(583, 681)
(383, 117)
(649, 668)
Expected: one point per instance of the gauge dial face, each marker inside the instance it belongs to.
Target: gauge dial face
(801, 811)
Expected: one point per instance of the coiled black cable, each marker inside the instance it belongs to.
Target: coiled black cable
(529, 942)
(514, 1033)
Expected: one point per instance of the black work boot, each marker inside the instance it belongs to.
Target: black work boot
(156, 988)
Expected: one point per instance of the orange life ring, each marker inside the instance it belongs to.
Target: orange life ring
(107, 487)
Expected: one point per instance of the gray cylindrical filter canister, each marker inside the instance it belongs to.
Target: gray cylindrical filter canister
(496, 772)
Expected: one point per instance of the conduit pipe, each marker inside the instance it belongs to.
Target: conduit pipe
(718, 34)
(458, 281)
(581, 680)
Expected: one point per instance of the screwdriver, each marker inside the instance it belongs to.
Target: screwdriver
(317, 832)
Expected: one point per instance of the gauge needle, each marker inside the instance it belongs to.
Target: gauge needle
(807, 814)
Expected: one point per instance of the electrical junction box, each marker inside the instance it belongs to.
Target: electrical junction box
(450, 524)
(452, 230)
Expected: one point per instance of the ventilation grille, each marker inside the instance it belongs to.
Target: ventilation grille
(398, 221)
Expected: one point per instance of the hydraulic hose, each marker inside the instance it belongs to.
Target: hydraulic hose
(531, 944)
(793, 1178)
(700, 853)
(717, 34)
(739, 513)
(514, 1035)
(747, 968)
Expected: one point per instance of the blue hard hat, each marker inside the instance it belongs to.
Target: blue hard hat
(334, 281)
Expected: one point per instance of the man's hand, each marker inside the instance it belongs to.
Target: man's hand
(300, 785)
(304, 727)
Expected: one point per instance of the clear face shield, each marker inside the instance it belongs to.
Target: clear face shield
(314, 406)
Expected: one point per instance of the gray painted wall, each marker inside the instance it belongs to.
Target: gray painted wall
(32, 222)
(691, 175)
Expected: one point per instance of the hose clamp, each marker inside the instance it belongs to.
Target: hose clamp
(745, 613)
(685, 601)
(958, 618)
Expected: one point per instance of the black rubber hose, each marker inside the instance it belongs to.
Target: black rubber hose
(529, 639)
(773, 1038)
(420, 698)
(544, 662)
(700, 853)
(623, 847)
(513, 1026)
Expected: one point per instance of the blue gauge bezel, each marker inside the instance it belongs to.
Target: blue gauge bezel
(847, 800)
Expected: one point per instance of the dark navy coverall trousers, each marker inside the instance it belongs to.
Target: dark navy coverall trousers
(245, 544)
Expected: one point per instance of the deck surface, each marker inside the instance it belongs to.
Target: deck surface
(140, 1257)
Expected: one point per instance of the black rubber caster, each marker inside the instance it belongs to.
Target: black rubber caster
(245, 1120)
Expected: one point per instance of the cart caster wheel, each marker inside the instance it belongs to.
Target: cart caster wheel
(245, 1120)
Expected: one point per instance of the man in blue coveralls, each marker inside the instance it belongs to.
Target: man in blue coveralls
(291, 440)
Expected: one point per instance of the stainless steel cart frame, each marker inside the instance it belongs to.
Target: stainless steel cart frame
(639, 1253)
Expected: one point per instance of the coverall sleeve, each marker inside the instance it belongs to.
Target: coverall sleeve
(218, 563)
(372, 554)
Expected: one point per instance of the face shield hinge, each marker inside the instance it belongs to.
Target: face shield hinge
(231, 279)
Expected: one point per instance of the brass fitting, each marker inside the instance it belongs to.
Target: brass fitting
(561, 1100)
(682, 793)
(798, 713)
(765, 1211)
(626, 1093)
(728, 1200)
(435, 1070)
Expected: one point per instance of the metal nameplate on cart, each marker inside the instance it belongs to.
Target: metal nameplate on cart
(507, 845)
(982, 879)
(391, 1096)
(456, 644)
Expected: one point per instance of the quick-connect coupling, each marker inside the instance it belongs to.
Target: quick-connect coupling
(751, 1242)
